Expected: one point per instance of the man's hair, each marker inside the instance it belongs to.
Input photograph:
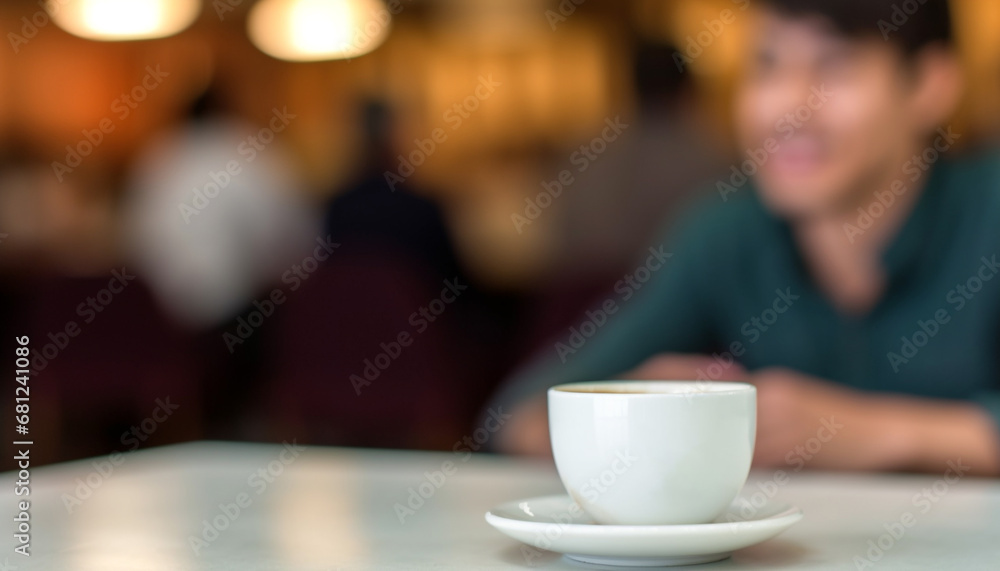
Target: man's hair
(910, 24)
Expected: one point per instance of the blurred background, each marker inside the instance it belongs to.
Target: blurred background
(346, 236)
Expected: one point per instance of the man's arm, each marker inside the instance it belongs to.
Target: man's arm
(669, 312)
(805, 422)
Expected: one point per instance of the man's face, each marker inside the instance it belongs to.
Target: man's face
(833, 111)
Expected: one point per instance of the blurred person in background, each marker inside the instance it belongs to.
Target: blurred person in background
(214, 214)
(392, 342)
(387, 217)
(853, 278)
(74, 113)
(213, 219)
(402, 220)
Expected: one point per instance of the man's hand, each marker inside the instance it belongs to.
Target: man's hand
(807, 422)
(803, 421)
(527, 430)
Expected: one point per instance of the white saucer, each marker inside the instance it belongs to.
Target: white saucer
(556, 523)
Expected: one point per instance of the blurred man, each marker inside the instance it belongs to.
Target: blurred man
(848, 266)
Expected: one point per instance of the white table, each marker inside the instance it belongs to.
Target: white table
(333, 509)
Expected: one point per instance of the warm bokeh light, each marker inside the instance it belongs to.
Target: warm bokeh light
(124, 19)
(313, 30)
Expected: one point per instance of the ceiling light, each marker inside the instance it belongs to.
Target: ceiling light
(112, 20)
(312, 30)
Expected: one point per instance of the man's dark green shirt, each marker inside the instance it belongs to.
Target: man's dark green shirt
(735, 282)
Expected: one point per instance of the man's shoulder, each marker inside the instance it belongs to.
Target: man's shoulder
(712, 219)
(971, 192)
(977, 173)
(713, 237)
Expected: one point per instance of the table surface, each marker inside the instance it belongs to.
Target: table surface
(322, 509)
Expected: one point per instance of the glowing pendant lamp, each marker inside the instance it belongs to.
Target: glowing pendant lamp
(115, 20)
(314, 30)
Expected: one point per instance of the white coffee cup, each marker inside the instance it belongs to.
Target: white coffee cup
(653, 452)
